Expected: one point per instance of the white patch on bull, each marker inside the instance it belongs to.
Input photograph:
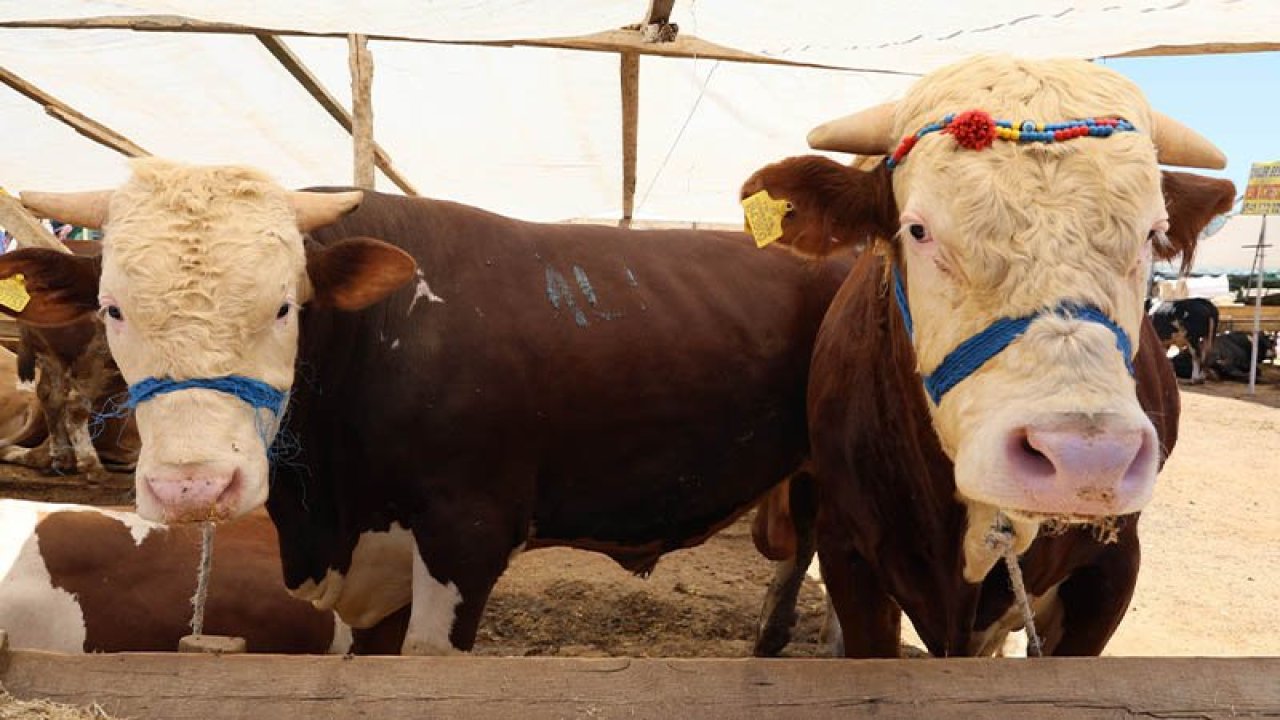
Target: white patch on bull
(25, 386)
(380, 579)
(139, 529)
(979, 555)
(423, 290)
(36, 614)
(434, 611)
(324, 594)
(395, 344)
(342, 637)
(82, 446)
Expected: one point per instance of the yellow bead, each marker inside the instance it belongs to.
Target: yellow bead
(1015, 134)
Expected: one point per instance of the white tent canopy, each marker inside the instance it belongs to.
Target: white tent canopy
(529, 132)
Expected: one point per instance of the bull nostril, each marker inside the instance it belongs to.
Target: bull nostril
(1027, 458)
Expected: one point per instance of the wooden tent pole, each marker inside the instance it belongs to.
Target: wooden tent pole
(293, 64)
(361, 64)
(630, 71)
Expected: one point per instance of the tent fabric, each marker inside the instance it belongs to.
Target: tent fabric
(533, 133)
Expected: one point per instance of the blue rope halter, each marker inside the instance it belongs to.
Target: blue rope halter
(255, 393)
(974, 352)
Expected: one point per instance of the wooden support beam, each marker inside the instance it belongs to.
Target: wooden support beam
(180, 686)
(293, 64)
(21, 224)
(361, 63)
(630, 72)
(68, 115)
(659, 12)
(686, 46)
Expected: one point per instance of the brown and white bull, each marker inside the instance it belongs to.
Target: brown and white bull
(75, 578)
(990, 367)
(629, 392)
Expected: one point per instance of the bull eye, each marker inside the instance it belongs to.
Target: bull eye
(113, 312)
(789, 207)
(283, 311)
(918, 232)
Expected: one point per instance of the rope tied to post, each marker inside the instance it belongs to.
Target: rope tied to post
(1000, 538)
(202, 579)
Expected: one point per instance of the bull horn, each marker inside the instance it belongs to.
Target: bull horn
(316, 209)
(86, 209)
(1177, 144)
(869, 132)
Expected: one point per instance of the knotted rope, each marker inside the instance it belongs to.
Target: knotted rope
(202, 578)
(1000, 537)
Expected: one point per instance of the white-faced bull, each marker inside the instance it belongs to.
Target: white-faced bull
(467, 385)
(990, 363)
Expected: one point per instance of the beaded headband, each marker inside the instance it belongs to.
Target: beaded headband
(977, 130)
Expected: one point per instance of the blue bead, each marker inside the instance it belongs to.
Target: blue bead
(948, 118)
(1028, 126)
(1004, 124)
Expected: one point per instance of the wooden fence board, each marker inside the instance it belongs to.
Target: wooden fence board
(201, 686)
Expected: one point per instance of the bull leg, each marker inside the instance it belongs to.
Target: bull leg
(459, 553)
(778, 616)
(37, 458)
(870, 620)
(76, 420)
(1197, 363)
(1093, 600)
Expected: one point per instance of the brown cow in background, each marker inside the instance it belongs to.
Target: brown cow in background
(80, 427)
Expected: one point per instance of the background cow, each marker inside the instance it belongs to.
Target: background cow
(80, 425)
(1228, 359)
(1049, 440)
(627, 392)
(1189, 323)
(76, 579)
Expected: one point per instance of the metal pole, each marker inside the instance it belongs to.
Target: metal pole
(1257, 306)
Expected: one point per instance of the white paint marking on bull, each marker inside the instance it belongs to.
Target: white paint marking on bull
(25, 386)
(434, 611)
(36, 614)
(342, 638)
(423, 290)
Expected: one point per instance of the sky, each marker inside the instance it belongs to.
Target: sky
(1234, 100)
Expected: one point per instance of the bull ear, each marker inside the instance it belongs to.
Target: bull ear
(1192, 201)
(55, 288)
(833, 206)
(357, 272)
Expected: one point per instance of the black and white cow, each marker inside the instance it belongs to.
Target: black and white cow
(1190, 324)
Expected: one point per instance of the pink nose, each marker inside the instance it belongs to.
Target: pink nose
(1080, 464)
(194, 492)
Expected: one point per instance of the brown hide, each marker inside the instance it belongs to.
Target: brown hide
(138, 597)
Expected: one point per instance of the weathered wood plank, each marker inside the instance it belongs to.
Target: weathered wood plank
(203, 686)
(686, 46)
(73, 118)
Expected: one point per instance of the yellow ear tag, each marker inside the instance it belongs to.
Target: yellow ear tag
(764, 217)
(13, 293)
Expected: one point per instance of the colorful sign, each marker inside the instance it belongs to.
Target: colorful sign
(1262, 196)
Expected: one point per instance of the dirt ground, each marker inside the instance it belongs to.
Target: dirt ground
(1210, 575)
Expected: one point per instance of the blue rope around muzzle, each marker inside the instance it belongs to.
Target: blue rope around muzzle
(256, 393)
(977, 350)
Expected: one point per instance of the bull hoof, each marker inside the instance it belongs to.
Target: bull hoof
(771, 641)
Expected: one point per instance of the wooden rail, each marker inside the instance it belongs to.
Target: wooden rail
(177, 687)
